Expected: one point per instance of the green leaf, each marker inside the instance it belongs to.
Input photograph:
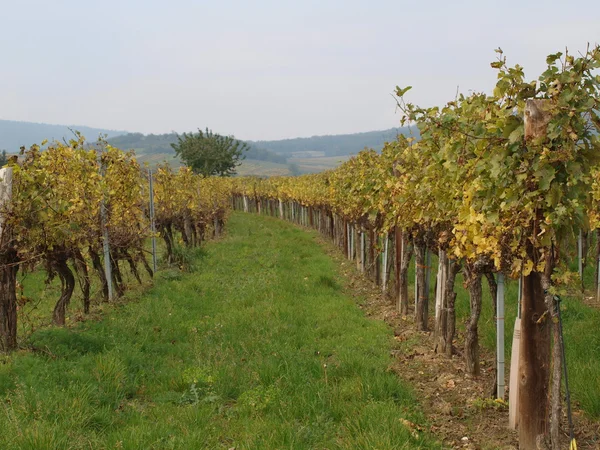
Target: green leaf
(550, 59)
(400, 92)
(545, 177)
(511, 124)
(516, 135)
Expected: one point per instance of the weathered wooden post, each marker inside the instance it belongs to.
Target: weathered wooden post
(8, 267)
(534, 351)
(440, 292)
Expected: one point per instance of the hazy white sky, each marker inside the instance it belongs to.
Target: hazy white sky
(264, 69)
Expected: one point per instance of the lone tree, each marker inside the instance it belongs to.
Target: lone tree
(209, 153)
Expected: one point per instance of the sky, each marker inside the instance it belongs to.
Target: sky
(265, 70)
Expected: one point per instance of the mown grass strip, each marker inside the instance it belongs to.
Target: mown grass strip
(257, 349)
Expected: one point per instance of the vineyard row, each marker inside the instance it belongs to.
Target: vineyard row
(496, 185)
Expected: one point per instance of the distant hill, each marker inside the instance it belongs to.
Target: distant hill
(153, 145)
(265, 158)
(333, 145)
(14, 134)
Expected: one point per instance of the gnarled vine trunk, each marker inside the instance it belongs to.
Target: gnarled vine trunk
(141, 257)
(132, 266)
(405, 257)
(448, 319)
(421, 316)
(167, 234)
(473, 279)
(67, 281)
(97, 263)
(117, 278)
(84, 278)
(493, 285)
(188, 232)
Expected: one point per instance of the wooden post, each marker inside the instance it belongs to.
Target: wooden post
(440, 292)
(8, 268)
(534, 351)
(534, 364)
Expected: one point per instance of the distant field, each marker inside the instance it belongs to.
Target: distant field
(319, 164)
(156, 158)
(256, 167)
(262, 168)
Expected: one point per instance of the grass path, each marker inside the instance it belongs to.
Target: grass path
(259, 348)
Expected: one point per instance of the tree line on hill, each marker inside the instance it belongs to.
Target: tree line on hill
(161, 143)
(14, 134)
(337, 145)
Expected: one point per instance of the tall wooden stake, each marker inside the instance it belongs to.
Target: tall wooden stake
(534, 352)
(8, 268)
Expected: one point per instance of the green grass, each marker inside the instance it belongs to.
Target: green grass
(259, 348)
(580, 322)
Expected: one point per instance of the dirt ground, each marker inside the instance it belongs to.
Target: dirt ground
(460, 409)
